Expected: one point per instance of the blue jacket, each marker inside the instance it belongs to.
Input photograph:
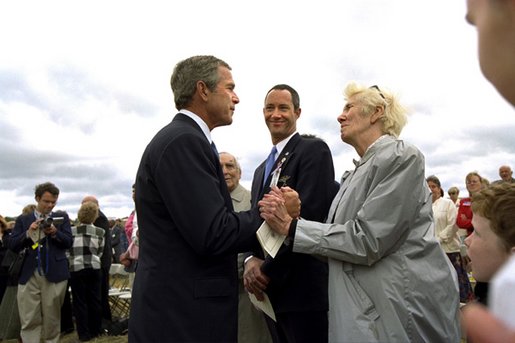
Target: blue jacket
(52, 250)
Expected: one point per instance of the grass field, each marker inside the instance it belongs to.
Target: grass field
(73, 338)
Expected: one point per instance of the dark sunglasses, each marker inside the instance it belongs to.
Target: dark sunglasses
(378, 90)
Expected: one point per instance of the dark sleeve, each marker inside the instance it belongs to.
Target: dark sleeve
(18, 239)
(63, 237)
(315, 181)
(103, 223)
(190, 188)
(115, 236)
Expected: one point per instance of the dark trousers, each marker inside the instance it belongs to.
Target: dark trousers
(104, 295)
(299, 327)
(86, 302)
(66, 313)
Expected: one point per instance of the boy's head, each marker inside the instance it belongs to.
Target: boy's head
(493, 239)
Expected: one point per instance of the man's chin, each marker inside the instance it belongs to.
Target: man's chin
(225, 122)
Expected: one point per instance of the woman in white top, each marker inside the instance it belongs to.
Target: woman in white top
(444, 213)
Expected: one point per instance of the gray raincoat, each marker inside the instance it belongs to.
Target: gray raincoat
(389, 280)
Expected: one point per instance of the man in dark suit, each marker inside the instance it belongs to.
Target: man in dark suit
(46, 236)
(186, 286)
(295, 283)
(107, 256)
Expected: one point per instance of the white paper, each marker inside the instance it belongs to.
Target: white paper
(265, 305)
(270, 240)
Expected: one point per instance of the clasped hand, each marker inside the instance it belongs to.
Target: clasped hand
(279, 207)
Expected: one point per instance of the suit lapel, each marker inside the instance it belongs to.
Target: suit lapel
(281, 161)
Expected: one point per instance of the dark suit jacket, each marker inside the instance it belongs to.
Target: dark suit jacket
(299, 281)
(186, 286)
(107, 254)
(53, 250)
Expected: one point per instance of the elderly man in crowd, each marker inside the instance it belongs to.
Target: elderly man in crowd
(251, 323)
(506, 175)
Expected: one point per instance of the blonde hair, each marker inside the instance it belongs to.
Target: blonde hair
(88, 212)
(395, 115)
(28, 209)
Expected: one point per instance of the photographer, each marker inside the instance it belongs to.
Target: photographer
(46, 236)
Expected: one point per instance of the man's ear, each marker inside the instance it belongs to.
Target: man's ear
(202, 90)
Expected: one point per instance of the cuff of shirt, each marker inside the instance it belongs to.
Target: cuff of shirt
(248, 258)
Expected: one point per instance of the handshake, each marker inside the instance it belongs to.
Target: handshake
(279, 207)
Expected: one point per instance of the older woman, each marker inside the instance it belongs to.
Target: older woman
(446, 232)
(85, 279)
(389, 280)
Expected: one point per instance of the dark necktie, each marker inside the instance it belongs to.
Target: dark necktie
(269, 164)
(213, 146)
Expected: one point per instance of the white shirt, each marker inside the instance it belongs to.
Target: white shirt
(200, 122)
(501, 300)
(444, 215)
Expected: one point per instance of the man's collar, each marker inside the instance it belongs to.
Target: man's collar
(280, 146)
(200, 122)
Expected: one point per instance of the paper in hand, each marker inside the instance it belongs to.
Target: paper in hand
(270, 240)
(265, 305)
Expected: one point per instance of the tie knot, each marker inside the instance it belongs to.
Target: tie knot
(269, 163)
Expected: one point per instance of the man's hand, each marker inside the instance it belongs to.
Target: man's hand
(291, 201)
(33, 227)
(50, 230)
(273, 211)
(254, 280)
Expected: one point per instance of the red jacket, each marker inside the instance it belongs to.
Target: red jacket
(465, 209)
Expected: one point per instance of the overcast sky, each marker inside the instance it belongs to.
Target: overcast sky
(84, 85)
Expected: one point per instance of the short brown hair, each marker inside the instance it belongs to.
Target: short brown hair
(46, 187)
(497, 204)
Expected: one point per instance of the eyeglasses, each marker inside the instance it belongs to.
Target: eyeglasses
(452, 193)
(378, 90)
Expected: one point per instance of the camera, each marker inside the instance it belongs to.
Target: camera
(47, 222)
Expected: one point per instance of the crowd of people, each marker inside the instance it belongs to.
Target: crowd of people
(84, 256)
(379, 256)
(55, 255)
